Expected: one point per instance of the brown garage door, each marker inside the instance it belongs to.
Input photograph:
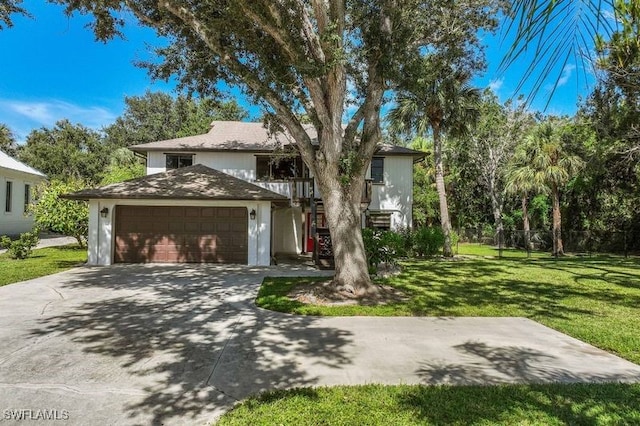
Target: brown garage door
(181, 234)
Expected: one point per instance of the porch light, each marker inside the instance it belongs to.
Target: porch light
(104, 212)
(252, 214)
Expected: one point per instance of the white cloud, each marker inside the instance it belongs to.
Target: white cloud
(24, 116)
(495, 85)
(567, 71)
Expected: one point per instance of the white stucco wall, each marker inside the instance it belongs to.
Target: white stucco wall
(288, 234)
(101, 230)
(15, 221)
(396, 194)
(238, 164)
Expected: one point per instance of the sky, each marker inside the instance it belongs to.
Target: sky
(51, 68)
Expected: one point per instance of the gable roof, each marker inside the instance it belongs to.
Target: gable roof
(8, 162)
(248, 137)
(196, 182)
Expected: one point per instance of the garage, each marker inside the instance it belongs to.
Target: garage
(180, 234)
(192, 214)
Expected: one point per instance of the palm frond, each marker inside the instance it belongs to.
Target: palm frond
(555, 32)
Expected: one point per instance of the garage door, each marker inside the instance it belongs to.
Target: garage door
(181, 234)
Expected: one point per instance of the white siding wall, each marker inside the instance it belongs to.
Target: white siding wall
(396, 195)
(101, 230)
(15, 222)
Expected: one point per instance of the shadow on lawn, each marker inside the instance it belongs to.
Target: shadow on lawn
(558, 404)
(188, 336)
(442, 288)
(610, 270)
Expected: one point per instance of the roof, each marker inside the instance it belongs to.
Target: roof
(226, 136)
(8, 162)
(196, 182)
(249, 137)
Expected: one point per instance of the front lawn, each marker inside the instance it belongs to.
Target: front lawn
(576, 404)
(594, 299)
(42, 262)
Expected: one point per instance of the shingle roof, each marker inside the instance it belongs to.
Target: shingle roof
(243, 136)
(196, 182)
(226, 136)
(11, 163)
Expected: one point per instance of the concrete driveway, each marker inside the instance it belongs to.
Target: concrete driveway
(136, 344)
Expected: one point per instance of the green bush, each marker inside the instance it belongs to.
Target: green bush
(428, 241)
(22, 247)
(382, 247)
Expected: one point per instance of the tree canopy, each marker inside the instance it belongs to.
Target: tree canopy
(157, 116)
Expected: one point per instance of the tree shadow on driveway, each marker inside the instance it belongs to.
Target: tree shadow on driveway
(189, 337)
(493, 365)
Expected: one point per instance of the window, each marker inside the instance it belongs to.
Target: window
(27, 197)
(377, 169)
(278, 168)
(177, 161)
(263, 167)
(7, 197)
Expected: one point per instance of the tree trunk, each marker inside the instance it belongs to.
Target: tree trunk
(445, 222)
(525, 223)
(558, 250)
(496, 207)
(343, 215)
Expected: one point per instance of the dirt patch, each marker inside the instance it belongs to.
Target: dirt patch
(324, 294)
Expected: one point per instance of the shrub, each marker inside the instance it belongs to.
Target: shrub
(66, 217)
(382, 247)
(22, 247)
(428, 241)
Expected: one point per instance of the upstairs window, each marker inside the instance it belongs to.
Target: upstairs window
(377, 169)
(8, 196)
(278, 168)
(27, 197)
(177, 161)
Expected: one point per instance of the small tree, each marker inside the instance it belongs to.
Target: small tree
(66, 217)
(547, 164)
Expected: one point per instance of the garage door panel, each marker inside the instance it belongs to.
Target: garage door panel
(181, 234)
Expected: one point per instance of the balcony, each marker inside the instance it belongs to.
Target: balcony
(301, 191)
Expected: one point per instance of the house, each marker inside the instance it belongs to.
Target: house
(236, 194)
(16, 183)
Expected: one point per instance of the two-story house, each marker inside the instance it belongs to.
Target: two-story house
(236, 194)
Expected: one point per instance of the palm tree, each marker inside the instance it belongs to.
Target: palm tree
(546, 166)
(440, 103)
(519, 182)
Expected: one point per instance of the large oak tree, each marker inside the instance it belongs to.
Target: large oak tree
(331, 61)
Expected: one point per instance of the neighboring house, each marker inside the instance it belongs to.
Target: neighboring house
(233, 195)
(17, 180)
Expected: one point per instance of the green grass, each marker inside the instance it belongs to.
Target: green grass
(470, 249)
(577, 404)
(595, 299)
(42, 262)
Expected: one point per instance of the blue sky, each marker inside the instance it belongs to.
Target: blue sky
(51, 68)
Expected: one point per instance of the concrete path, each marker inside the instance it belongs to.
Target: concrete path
(171, 345)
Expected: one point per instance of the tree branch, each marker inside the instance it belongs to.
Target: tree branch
(289, 119)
